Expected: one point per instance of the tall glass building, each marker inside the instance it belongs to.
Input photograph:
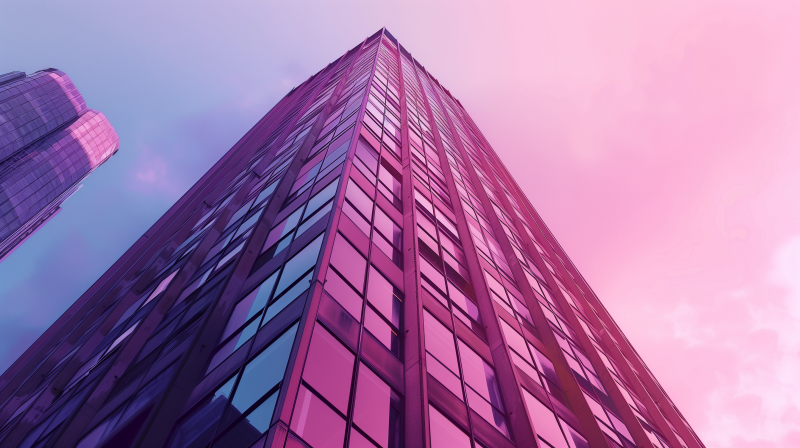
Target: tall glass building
(359, 270)
(49, 142)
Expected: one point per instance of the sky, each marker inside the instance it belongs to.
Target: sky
(659, 140)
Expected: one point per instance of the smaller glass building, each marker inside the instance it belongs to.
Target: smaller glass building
(49, 142)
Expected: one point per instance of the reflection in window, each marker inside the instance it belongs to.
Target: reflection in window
(198, 429)
(299, 264)
(343, 293)
(544, 421)
(316, 422)
(377, 409)
(264, 371)
(329, 368)
(349, 262)
(444, 434)
(481, 378)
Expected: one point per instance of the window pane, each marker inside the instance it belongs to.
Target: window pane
(390, 181)
(322, 197)
(359, 199)
(479, 375)
(367, 155)
(262, 293)
(299, 264)
(349, 262)
(384, 297)
(343, 294)
(359, 441)
(283, 301)
(317, 423)
(264, 372)
(431, 273)
(544, 421)
(464, 302)
(382, 331)
(574, 439)
(439, 342)
(388, 228)
(198, 429)
(377, 409)
(329, 368)
(515, 341)
(283, 228)
(322, 212)
(444, 434)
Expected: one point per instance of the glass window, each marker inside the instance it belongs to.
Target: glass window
(360, 200)
(299, 264)
(255, 424)
(388, 228)
(283, 228)
(349, 262)
(161, 287)
(444, 434)
(367, 156)
(574, 439)
(288, 297)
(313, 219)
(515, 340)
(343, 293)
(359, 441)
(377, 409)
(439, 342)
(248, 224)
(382, 331)
(479, 375)
(329, 368)
(198, 428)
(316, 422)
(544, 421)
(264, 371)
(432, 274)
(383, 295)
(464, 302)
(322, 197)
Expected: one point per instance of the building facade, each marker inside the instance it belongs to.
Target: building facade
(49, 142)
(359, 270)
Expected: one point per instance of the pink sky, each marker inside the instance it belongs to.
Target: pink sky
(660, 141)
(661, 144)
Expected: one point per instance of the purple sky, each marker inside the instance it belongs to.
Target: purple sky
(659, 140)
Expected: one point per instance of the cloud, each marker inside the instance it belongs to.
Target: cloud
(151, 174)
(759, 403)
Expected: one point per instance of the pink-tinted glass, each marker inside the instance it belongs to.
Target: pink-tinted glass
(343, 294)
(544, 421)
(376, 409)
(444, 434)
(329, 368)
(351, 264)
(381, 294)
(317, 423)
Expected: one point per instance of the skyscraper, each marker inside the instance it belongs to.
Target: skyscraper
(359, 270)
(49, 142)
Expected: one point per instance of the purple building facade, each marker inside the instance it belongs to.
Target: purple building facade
(359, 270)
(49, 142)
